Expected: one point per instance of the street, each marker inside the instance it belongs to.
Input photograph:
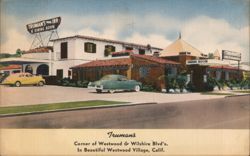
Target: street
(223, 113)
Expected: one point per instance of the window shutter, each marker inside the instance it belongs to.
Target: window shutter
(94, 48)
(85, 47)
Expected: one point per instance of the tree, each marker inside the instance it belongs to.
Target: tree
(19, 52)
(5, 55)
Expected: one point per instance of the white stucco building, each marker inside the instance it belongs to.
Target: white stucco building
(74, 50)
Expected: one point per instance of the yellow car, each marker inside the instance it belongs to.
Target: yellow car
(19, 79)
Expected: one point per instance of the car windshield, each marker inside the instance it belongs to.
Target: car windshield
(107, 77)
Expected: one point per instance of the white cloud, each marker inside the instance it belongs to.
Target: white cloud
(15, 40)
(153, 39)
(208, 34)
(204, 33)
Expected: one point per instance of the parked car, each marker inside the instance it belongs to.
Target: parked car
(19, 79)
(112, 83)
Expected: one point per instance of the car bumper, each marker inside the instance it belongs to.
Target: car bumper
(96, 87)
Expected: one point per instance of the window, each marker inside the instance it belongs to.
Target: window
(29, 69)
(69, 73)
(59, 73)
(141, 51)
(156, 54)
(64, 50)
(143, 72)
(128, 48)
(89, 47)
(218, 75)
(16, 71)
(171, 71)
(108, 50)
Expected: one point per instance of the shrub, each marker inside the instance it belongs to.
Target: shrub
(83, 83)
(211, 83)
(191, 87)
(245, 84)
(148, 88)
(181, 82)
(175, 82)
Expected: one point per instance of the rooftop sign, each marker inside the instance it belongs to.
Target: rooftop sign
(45, 25)
(230, 55)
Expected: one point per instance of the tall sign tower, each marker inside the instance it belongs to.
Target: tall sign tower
(43, 31)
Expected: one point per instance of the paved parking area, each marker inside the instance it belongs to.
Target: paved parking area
(13, 96)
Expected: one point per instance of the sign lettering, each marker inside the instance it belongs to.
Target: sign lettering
(45, 25)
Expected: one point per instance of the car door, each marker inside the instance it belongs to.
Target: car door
(25, 79)
(32, 79)
(28, 79)
(124, 83)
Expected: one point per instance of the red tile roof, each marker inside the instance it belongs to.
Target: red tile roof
(123, 61)
(102, 63)
(39, 50)
(224, 67)
(9, 67)
(155, 59)
(105, 40)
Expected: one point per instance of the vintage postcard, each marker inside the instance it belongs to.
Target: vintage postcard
(124, 77)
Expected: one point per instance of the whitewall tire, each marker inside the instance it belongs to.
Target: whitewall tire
(40, 83)
(137, 88)
(111, 91)
(18, 84)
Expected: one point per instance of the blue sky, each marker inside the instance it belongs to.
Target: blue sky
(207, 24)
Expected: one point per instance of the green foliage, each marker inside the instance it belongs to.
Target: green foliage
(148, 88)
(210, 56)
(245, 84)
(174, 82)
(18, 53)
(211, 83)
(72, 83)
(83, 83)
(181, 81)
(55, 106)
(191, 87)
(5, 55)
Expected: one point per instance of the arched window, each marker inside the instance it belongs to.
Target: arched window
(29, 69)
(43, 69)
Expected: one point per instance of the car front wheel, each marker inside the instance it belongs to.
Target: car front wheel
(111, 91)
(137, 88)
(98, 90)
(18, 84)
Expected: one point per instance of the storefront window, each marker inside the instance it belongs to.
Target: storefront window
(143, 71)
(227, 75)
(218, 75)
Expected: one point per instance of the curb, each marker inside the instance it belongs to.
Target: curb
(74, 109)
(237, 95)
